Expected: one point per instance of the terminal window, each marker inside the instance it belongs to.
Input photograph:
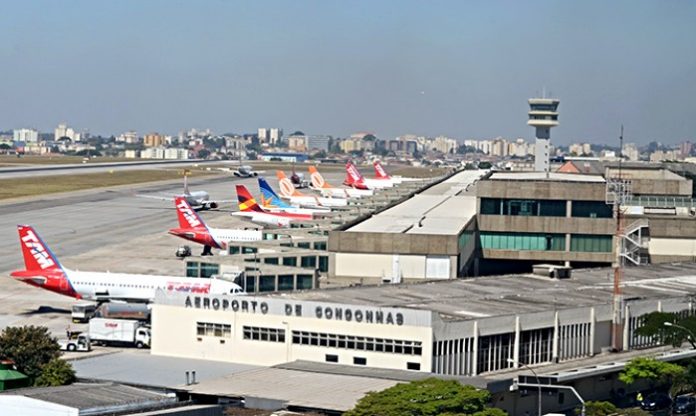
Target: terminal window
(256, 333)
(210, 329)
(351, 342)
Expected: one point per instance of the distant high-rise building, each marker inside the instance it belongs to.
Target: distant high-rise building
(543, 114)
(685, 148)
(129, 137)
(276, 135)
(153, 140)
(26, 135)
(64, 131)
(630, 151)
(264, 135)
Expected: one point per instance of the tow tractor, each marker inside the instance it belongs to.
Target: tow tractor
(77, 342)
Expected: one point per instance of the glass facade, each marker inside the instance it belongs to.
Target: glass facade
(305, 281)
(522, 241)
(523, 207)
(591, 209)
(197, 269)
(285, 282)
(591, 243)
(266, 283)
(290, 261)
(308, 261)
(323, 264)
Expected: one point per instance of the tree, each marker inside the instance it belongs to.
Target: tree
(653, 325)
(598, 409)
(56, 372)
(30, 347)
(656, 372)
(431, 396)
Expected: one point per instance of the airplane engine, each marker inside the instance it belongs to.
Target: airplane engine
(213, 205)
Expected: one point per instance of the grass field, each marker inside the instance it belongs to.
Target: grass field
(40, 185)
(56, 160)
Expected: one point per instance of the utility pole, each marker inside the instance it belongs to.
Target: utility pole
(617, 326)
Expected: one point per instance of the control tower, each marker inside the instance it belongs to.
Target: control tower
(543, 115)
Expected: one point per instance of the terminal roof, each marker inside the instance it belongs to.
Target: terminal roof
(444, 208)
(464, 299)
(95, 397)
(541, 176)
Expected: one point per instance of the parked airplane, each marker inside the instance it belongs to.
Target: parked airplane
(381, 173)
(356, 180)
(192, 228)
(320, 184)
(43, 270)
(273, 203)
(248, 208)
(287, 190)
(197, 199)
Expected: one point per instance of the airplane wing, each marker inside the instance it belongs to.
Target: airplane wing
(159, 197)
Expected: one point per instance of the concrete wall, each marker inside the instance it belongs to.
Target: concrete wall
(577, 191)
(573, 256)
(552, 225)
(392, 243)
(174, 334)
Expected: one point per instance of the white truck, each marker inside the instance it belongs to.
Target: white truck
(124, 332)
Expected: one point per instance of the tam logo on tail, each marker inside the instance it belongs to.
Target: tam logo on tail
(34, 247)
(187, 216)
(379, 170)
(353, 172)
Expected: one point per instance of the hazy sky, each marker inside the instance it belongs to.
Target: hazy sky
(460, 68)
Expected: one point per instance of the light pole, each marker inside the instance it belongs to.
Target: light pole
(689, 335)
(512, 361)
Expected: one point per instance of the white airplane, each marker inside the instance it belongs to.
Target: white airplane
(192, 228)
(381, 173)
(197, 199)
(288, 191)
(248, 208)
(43, 270)
(320, 184)
(356, 180)
(245, 171)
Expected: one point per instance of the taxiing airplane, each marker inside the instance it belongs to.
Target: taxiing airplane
(248, 208)
(197, 199)
(355, 179)
(192, 228)
(273, 203)
(43, 270)
(245, 171)
(320, 184)
(288, 191)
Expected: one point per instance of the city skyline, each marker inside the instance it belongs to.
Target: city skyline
(464, 70)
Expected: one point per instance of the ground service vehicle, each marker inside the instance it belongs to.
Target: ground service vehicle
(79, 343)
(123, 332)
(83, 311)
(119, 310)
(656, 401)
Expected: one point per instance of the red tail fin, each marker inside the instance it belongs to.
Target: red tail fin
(37, 255)
(247, 203)
(380, 173)
(353, 176)
(188, 217)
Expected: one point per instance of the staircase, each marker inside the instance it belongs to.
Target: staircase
(634, 242)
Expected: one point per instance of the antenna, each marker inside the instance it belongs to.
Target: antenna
(621, 190)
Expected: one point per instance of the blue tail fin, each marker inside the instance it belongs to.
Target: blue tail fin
(270, 198)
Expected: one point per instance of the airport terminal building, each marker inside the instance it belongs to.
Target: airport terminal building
(464, 328)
